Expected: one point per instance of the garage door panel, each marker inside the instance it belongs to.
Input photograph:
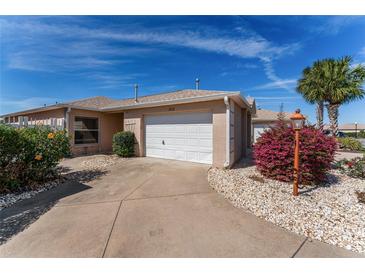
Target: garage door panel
(205, 143)
(259, 129)
(187, 137)
(186, 118)
(205, 157)
(205, 130)
(192, 156)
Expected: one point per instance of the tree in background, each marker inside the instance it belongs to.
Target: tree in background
(343, 84)
(310, 86)
(334, 82)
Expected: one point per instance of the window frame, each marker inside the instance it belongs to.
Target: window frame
(74, 130)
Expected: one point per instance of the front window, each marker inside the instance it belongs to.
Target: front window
(86, 130)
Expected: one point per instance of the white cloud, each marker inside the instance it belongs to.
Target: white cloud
(112, 81)
(35, 62)
(276, 97)
(362, 52)
(334, 24)
(246, 47)
(278, 84)
(69, 47)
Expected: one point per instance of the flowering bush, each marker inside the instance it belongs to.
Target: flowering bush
(354, 167)
(274, 153)
(29, 155)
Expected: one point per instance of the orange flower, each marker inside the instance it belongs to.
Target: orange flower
(50, 135)
(38, 157)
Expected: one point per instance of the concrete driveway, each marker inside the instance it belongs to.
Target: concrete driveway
(146, 207)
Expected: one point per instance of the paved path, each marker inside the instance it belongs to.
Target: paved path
(146, 208)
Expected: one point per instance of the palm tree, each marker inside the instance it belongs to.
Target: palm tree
(341, 83)
(310, 87)
(334, 82)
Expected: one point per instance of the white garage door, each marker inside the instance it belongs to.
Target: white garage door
(258, 129)
(187, 137)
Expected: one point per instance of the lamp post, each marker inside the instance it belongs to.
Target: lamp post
(297, 122)
(356, 130)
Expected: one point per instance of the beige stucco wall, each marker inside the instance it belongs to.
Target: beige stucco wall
(237, 132)
(134, 121)
(108, 125)
(249, 135)
(241, 129)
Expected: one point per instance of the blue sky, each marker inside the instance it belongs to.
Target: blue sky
(61, 58)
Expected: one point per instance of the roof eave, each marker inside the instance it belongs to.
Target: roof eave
(42, 109)
(258, 120)
(171, 102)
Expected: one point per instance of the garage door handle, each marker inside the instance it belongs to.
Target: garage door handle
(163, 142)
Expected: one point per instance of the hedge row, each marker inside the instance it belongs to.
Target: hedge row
(29, 156)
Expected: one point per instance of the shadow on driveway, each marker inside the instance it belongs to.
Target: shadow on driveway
(17, 217)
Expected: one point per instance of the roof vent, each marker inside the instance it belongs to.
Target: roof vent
(197, 83)
(136, 93)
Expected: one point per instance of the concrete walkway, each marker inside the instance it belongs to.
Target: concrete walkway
(146, 207)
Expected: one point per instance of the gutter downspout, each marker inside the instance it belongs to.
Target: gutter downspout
(67, 121)
(228, 137)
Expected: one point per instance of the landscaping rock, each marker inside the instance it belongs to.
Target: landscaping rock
(101, 161)
(9, 199)
(330, 212)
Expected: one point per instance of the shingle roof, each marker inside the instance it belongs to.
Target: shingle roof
(350, 126)
(105, 103)
(268, 115)
(168, 96)
(93, 102)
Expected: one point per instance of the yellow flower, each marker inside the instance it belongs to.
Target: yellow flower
(50, 135)
(38, 157)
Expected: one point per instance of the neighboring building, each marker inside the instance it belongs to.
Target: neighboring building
(347, 128)
(263, 119)
(212, 127)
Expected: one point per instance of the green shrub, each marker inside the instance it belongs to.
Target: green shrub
(44, 149)
(353, 168)
(10, 164)
(360, 134)
(30, 155)
(123, 143)
(350, 143)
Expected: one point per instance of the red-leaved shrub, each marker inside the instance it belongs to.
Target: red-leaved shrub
(274, 153)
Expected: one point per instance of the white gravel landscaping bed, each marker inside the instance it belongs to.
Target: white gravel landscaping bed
(9, 199)
(101, 161)
(329, 213)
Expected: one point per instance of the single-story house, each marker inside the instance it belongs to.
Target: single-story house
(263, 119)
(205, 126)
(348, 128)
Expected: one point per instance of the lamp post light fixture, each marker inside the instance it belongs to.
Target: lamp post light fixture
(297, 123)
